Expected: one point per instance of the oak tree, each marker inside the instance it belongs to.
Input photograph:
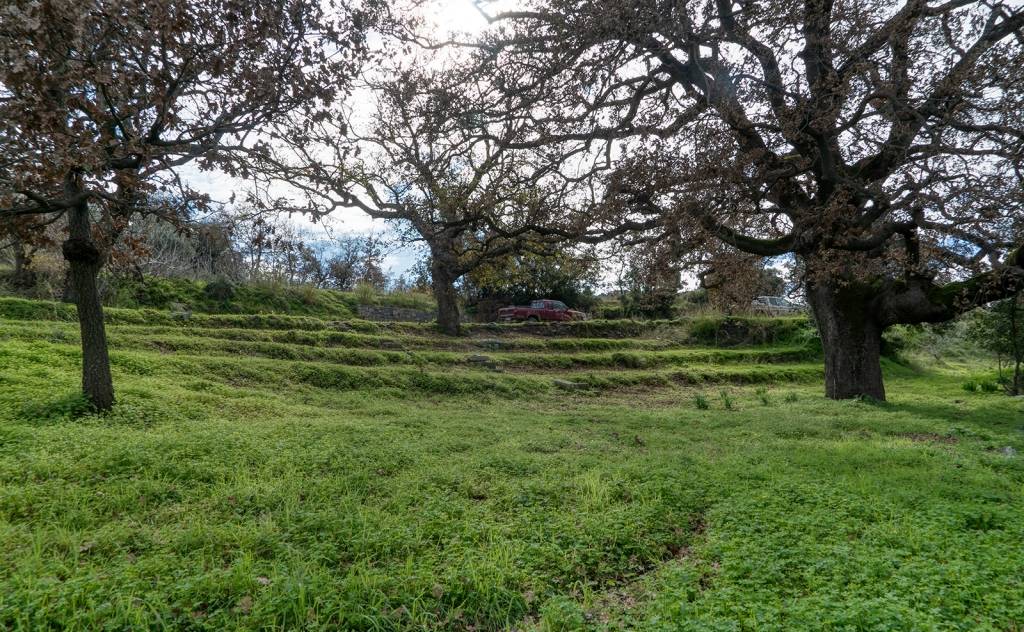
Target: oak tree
(427, 158)
(104, 102)
(878, 143)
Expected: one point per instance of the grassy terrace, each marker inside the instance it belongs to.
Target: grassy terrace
(293, 473)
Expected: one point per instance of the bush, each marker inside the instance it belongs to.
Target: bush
(752, 330)
(25, 309)
(988, 386)
(608, 311)
(981, 385)
(220, 290)
(999, 329)
(152, 292)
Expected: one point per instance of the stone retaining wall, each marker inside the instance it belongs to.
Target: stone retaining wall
(387, 313)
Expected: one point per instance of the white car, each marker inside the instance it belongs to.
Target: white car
(776, 306)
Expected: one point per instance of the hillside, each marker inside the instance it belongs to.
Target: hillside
(222, 297)
(267, 471)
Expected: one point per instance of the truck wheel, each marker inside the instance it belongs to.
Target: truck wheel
(532, 319)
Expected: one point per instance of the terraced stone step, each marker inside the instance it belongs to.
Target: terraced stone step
(127, 339)
(719, 331)
(204, 370)
(329, 338)
(68, 332)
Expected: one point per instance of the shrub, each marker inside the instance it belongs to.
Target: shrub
(988, 386)
(981, 386)
(608, 311)
(734, 330)
(220, 290)
(701, 402)
(999, 329)
(24, 309)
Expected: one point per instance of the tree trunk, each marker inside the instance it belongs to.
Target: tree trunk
(1018, 378)
(447, 302)
(852, 341)
(23, 276)
(1015, 344)
(67, 293)
(84, 262)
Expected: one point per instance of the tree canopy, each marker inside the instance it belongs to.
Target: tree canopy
(878, 146)
(431, 159)
(102, 103)
(879, 143)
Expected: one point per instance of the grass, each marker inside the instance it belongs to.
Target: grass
(250, 491)
(701, 401)
(728, 403)
(160, 293)
(269, 297)
(356, 349)
(723, 331)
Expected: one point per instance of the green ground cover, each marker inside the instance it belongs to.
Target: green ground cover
(255, 476)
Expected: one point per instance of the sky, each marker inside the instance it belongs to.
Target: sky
(449, 17)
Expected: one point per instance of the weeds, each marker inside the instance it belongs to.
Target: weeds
(981, 386)
(64, 408)
(290, 472)
(701, 401)
(365, 294)
(727, 401)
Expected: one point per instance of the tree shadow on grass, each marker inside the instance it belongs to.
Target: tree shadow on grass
(991, 412)
(67, 407)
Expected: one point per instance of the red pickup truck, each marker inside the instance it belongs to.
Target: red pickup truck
(540, 310)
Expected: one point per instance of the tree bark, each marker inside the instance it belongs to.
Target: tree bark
(1018, 378)
(443, 281)
(852, 340)
(24, 276)
(84, 262)
(1015, 344)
